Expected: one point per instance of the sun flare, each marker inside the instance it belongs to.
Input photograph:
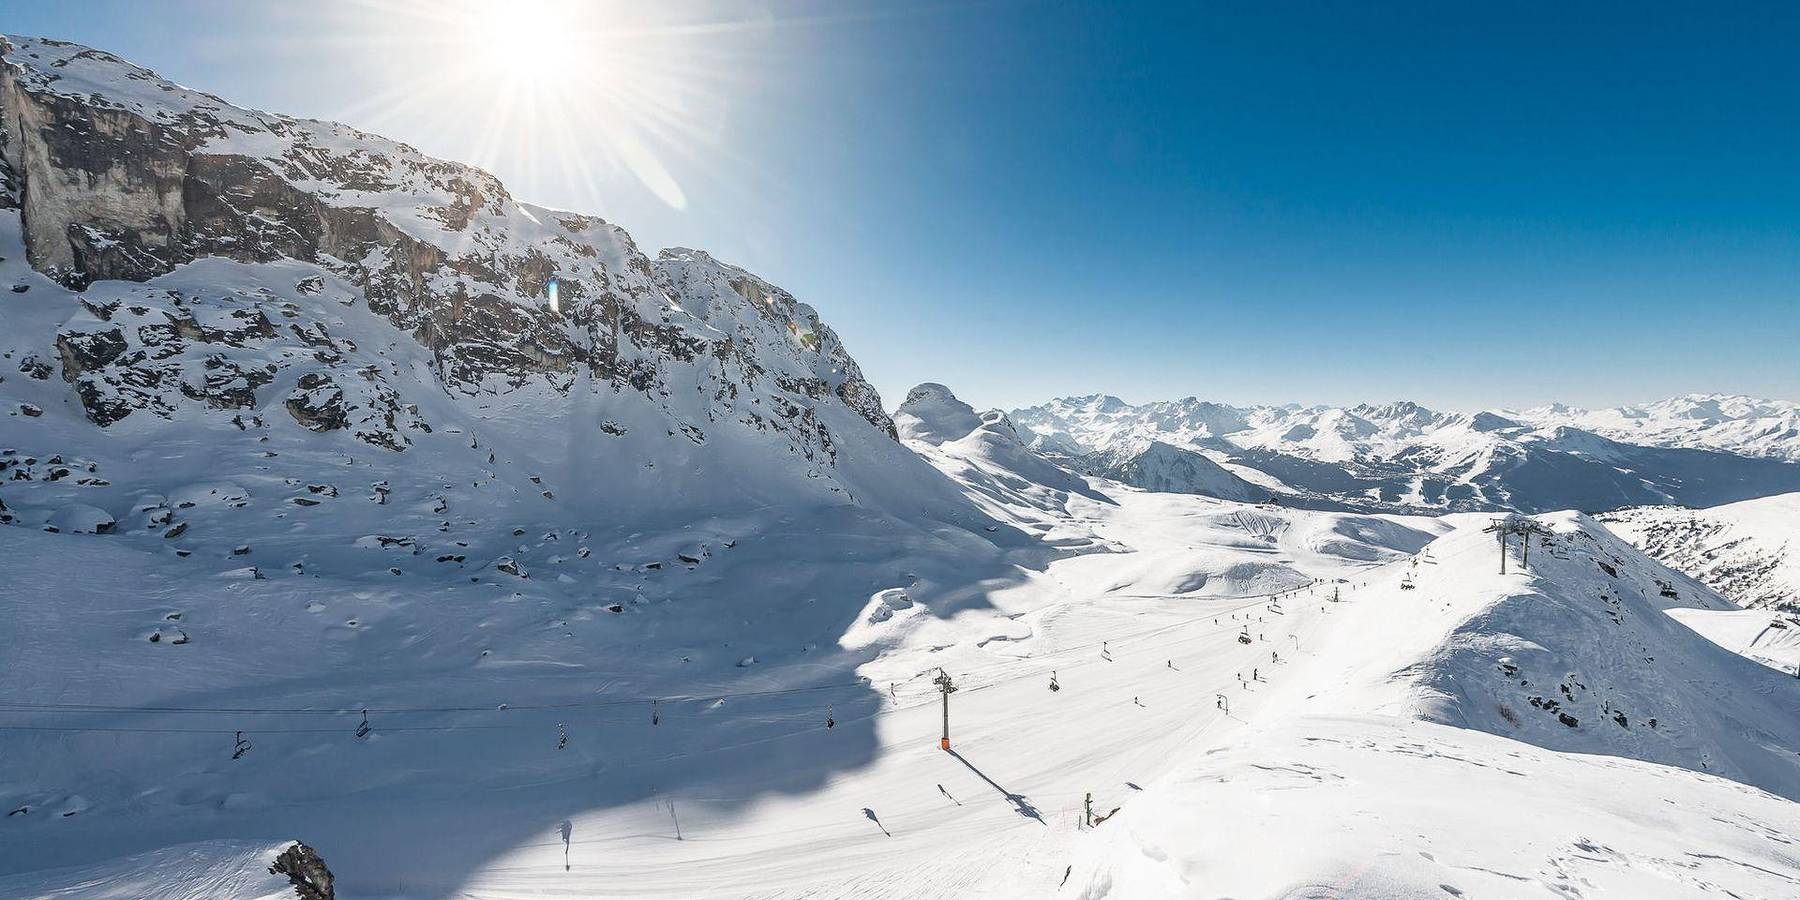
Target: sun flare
(529, 42)
(580, 90)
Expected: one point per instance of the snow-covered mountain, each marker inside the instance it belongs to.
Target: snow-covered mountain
(1156, 466)
(1405, 456)
(1748, 551)
(306, 420)
(1734, 423)
(218, 257)
(984, 454)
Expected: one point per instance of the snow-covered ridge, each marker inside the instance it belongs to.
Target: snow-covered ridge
(1406, 749)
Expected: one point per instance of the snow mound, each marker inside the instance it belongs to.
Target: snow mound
(1375, 809)
(80, 518)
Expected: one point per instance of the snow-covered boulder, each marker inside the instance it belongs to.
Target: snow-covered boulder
(80, 518)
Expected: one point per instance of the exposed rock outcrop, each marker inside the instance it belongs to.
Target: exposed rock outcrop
(305, 870)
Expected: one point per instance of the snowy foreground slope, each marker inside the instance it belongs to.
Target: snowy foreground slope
(1748, 551)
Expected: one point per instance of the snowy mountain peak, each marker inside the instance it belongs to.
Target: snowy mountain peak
(1487, 421)
(933, 414)
(1403, 411)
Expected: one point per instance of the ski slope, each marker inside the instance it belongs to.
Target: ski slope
(763, 792)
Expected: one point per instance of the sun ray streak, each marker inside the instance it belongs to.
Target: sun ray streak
(568, 97)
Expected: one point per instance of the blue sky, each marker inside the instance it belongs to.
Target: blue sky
(1493, 205)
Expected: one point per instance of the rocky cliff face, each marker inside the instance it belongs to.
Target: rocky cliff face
(121, 176)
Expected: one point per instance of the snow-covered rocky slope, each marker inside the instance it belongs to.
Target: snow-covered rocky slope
(298, 422)
(1402, 456)
(1748, 551)
(231, 263)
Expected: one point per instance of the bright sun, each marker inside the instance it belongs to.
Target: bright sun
(531, 42)
(550, 93)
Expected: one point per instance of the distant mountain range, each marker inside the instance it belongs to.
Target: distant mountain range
(1736, 424)
(1697, 450)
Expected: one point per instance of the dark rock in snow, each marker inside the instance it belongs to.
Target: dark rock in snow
(306, 871)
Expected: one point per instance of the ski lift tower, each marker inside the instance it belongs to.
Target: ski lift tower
(1524, 527)
(946, 687)
(1500, 528)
